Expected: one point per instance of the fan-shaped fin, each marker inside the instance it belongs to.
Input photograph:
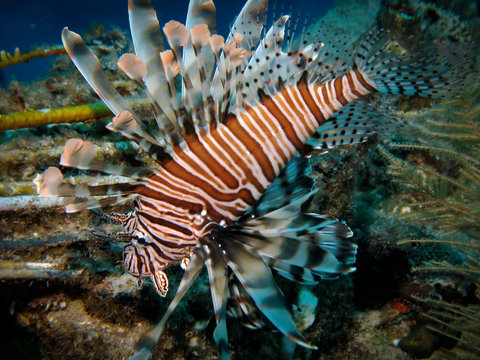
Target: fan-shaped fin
(131, 65)
(258, 281)
(292, 183)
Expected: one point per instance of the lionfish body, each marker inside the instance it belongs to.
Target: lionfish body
(231, 148)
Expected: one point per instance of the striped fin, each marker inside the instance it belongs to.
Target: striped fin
(259, 283)
(217, 273)
(81, 155)
(292, 183)
(242, 307)
(52, 185)
(295, 273)
(245, 34)
(148, 43)
(293, 240)
(143, 349)
(306, 242)
(199, 12)
(189, 108)
(82, 197)
(91, 69)
(431, 72)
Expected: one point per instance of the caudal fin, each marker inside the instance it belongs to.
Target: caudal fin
(435, 71)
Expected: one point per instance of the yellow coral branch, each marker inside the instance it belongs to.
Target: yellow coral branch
(68, 114)
(7, 59)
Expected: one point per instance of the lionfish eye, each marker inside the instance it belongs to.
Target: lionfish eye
(140, 240)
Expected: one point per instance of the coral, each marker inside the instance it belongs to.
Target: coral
(440, 183)
(7, 59)
(69, 114)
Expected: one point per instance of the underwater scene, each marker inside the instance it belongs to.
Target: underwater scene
(248, 179)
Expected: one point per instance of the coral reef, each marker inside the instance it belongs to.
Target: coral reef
(439, 176)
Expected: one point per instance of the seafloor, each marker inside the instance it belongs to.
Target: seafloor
(65, 294)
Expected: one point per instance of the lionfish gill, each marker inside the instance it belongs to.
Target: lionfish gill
(236, 120)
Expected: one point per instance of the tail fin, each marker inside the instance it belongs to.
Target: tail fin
(435, 71)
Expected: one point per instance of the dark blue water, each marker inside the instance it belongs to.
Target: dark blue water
(29, 23)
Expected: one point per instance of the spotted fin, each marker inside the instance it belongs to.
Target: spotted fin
(249, 24)
(430, 72)
(353, 124)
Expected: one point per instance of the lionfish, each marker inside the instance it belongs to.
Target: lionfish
(236, 120)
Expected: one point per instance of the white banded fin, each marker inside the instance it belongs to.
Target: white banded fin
(133, 67)
(176, 34)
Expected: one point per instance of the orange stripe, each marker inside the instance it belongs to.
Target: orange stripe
(339, 91)
(199, 150)
(364, 82)
(326, 98)
(302, 117)
(351, 82)
(302, 86)
(254, 148)
(233, 153)
(267, 132)
(287, 127)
